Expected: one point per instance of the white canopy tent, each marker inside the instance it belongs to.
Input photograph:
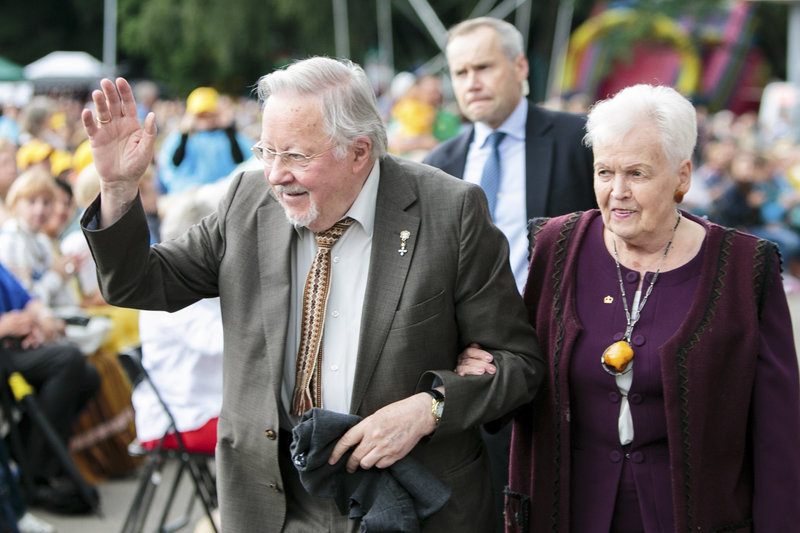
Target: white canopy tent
(66, 71)
(65, 65)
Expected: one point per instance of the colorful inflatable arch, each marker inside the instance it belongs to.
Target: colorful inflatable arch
(588, 63)
(720, 66)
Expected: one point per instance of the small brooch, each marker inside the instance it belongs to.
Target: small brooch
(608, 300)
(404, 235)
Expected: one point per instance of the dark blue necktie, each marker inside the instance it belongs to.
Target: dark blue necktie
(490, 178)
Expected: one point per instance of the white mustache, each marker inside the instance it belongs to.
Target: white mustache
(290, 189)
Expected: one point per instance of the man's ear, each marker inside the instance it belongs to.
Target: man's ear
(521, 68)
(362, 149)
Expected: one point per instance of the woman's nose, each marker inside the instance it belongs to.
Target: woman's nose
(619, 186)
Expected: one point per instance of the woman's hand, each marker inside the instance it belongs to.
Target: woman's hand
(475, 362)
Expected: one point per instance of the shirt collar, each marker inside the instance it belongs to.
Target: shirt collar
(514, 125)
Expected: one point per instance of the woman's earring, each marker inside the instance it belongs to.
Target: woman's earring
(678, 196)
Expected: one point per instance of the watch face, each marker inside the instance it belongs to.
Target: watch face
(439, 408)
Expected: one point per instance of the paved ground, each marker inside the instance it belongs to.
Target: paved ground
(116, 495)
(115, 498)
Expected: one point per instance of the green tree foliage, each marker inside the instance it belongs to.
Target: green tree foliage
(32, 29)
(229, 44)
(187, 43)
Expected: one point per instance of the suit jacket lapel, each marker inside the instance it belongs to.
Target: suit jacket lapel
(461, 149)
(275, 235)
(538, 161)
(388, 271)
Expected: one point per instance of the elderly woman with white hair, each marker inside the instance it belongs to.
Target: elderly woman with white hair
(672, 400)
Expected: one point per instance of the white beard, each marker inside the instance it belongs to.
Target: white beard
(310, 215)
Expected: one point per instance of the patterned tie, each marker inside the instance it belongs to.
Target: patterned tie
(308, 386)
(490, 178)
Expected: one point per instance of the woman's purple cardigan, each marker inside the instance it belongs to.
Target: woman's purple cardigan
(730, 379)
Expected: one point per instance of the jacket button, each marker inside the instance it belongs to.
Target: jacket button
(615, 456)
(274, 486)
(635, 398)
(613, 397)
(270, 434)
(637, 457)
(638, 340)
(632, 277)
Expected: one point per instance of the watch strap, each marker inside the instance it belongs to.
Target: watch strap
(437, 403)
(436, 394)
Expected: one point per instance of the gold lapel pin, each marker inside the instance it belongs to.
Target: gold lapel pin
(608, 299)
(404, 235)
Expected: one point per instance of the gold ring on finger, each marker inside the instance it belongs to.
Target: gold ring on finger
(101, 121)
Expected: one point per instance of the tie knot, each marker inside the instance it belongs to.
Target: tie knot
(495, 138)
(326, 239)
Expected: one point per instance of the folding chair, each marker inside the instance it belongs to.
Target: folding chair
(196, 464)
(16, 393)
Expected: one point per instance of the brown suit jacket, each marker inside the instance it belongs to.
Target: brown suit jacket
(453, 287)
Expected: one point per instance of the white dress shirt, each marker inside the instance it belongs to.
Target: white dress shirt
(510, 211)
(350, 260)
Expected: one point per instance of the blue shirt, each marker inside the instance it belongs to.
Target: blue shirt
(13, 295)
(207, 159)
(9, 129)
(510, 214)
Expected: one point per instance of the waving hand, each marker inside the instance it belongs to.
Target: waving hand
(121, 147)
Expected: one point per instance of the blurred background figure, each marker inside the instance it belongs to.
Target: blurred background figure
(62, 213)
(27, 251)
(758, 201)
(418, 122)
(206, 147)
(9, 122)
(710, 177)
(146, 93)
(63, 382)
(182, 352)
(8, 173)
(35, 122)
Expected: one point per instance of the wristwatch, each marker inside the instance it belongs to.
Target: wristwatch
(437, 404)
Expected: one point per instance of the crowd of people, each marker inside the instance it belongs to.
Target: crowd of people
(432, 289)
(54, 316)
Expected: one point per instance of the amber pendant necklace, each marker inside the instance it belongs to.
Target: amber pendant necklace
(617, 359)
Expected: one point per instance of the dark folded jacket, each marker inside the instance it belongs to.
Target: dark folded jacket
(398, 498)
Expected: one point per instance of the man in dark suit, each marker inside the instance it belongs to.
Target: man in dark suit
(419, 273)
(545, 169)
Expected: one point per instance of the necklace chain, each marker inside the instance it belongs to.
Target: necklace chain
(631, 320)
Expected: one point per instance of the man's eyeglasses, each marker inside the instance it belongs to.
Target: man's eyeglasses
(291, 160)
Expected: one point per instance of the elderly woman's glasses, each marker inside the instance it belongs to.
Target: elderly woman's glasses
(292, 160)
